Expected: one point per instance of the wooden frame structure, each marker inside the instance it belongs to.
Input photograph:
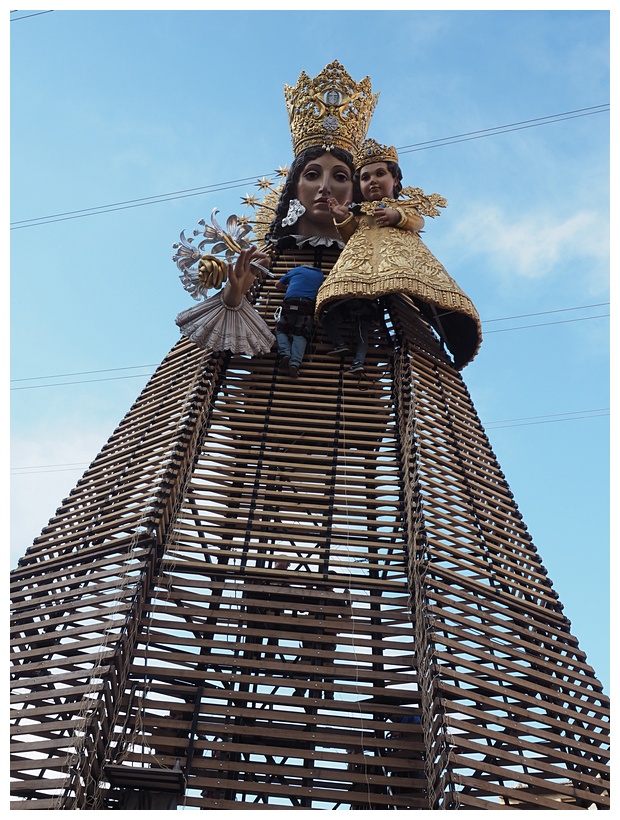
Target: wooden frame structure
(312, 594)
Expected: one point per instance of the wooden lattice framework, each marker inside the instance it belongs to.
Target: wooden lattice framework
(155, 634)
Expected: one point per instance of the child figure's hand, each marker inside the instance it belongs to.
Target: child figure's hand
(339, 212)
(387, 217)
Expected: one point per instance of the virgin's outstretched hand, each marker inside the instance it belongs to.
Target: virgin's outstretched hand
(242, 274)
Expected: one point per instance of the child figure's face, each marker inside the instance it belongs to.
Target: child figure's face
(376, 181)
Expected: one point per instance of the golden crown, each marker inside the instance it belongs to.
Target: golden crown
(373, 151)
(330, 110)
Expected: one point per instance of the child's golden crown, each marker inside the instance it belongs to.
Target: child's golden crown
(329, 110)
(372, 151)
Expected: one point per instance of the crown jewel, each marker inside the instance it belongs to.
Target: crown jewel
(331, 109)
(372, 151)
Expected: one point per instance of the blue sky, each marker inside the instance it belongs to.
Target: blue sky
(127, 127)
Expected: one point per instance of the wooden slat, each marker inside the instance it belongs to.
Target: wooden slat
(414, 590)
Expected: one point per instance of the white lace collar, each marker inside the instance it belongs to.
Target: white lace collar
(317, 241)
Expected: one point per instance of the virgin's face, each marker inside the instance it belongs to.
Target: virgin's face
(321, 179)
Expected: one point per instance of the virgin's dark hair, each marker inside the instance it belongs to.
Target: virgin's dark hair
(393, 168)
(290, 186)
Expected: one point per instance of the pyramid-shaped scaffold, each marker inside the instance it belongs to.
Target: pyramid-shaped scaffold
(311, 594)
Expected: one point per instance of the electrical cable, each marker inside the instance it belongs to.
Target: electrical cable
(546, 324)
(134, 203)
(223, 186)
(505, 129)
(524, 421)
(26, 16)
(140, 366)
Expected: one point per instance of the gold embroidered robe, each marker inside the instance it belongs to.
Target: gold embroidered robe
(380, 261)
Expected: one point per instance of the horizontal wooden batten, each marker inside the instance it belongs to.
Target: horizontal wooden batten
(413, 655)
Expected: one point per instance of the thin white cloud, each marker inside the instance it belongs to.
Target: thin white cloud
(537, 245)
(46, 466)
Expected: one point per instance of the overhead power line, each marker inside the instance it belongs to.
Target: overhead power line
(144, 366)
(544, 313)
(553, 418)
(25, 16)
(84, 373)
(48, 468)
(505, 129)
(224, 186)
(82, 381)
(575, 415)
(135, 203)
(546, 324)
